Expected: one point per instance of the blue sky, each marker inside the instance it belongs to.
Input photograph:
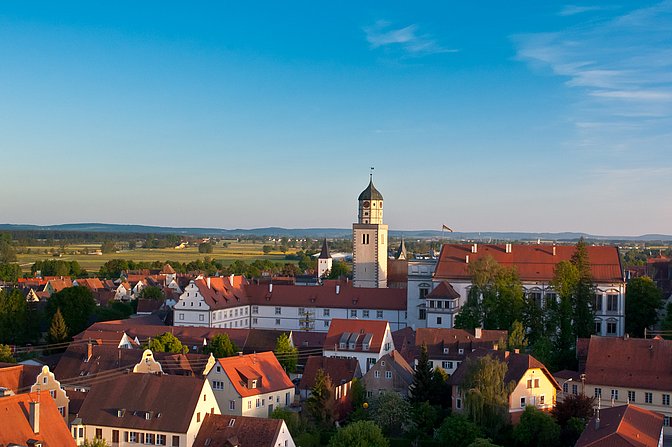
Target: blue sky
(505, 116)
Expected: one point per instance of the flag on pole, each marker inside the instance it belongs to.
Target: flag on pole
(446, 228)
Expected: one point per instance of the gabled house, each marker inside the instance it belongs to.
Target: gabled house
(365, 340)
(56, 285)
(629, 371)
(534, 384)
(153, 409)
(623, 426)
(447, 348)
(217, 302)
(29, 419)
(93, 284)
(251, 385)
(243, 431)
(391, 373)
(16, 379)
(342, 373)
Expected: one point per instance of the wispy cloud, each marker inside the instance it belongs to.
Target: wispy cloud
(570, 10)
(620, 71)
(409, 39)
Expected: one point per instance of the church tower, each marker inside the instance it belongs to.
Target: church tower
(324, 261)
(369, 241)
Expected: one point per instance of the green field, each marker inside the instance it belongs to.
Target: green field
(244, 251)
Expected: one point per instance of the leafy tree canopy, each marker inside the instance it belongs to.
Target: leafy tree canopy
(287, 355)
(392, 413)
(167, 342)
(221, 346)
(457, 431)
(77, 306)
(6, 354)
(152, 293)
(359, 434)
(536, 429)
(643, 299)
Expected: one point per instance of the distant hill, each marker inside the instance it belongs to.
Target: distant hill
(328, 232)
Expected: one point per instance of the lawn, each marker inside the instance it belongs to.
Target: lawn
(243, 250)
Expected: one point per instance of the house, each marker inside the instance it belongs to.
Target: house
(251, 385)
(625, 425)
(391, 373)
(57, 284)
(243, 431)
(533, 383)
(28, 419)
(312, 308)
(16, 379)
(342, 373)
(629, 370)
(535, 265)
(365, 340)
(146, 409)
(217, 302)
(447, 348)
(93, 284)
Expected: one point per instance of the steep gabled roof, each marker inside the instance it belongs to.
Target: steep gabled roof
(445, 291)
(15, 428)
(625, 425)
(401, 251)
(532, 262)
(171, 401)
(356, 332)
(631, 362)
(220, 292)
(340, 370)
(262, 367)
(332, 293)
(220, 430)
(167, 270)
(438, 340)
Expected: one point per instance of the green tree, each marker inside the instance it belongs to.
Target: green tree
(152, 293)
(471, 314)
(113, 268)
(287, 355)
(6, 354)
(422, 387)
(13, 317)
(108, 247)
(167, 342)
(320, 405)
(58, 330)
(426, 417)
(573, 406)
(291, 418)
(205, 247)
(486, 393)
(666, 324)
(359, 434)
(536, 429)
(221, 346)
(583, 314)
(457, 431)
(7, 251)
(339, 269)
(643, 299)
(482, 442)
(77, 306)
(267, 249)
(517, 339)
(566, 280)
(9, 272)
(392, 413)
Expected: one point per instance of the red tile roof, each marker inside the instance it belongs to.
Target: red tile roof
(632, 362)
(340, 370)
(171, 400)
(240, 431)
(439, 339)
(349, 297)
(263, 367)
(444, 290)
(626, 425)
(168, 270)
(60, 284)
(18, 378)
(340, 326)
(223, 291)
(533, 262)
(15, 426)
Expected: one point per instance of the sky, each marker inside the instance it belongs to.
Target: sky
(490, 116)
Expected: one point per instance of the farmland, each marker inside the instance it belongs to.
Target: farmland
(226, 251)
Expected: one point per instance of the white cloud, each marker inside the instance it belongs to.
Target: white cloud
(570, 10)
(408, 39)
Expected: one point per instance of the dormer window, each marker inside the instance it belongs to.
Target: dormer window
(121, 412)
(460, 351)
(254, 383)
(148, 415)
(341, 345)
(446, 350)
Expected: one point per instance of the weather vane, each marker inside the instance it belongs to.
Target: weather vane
(371, 174)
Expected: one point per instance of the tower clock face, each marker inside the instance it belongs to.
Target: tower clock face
(366, 204)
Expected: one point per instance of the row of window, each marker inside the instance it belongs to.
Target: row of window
(632, 396)
(233, 313)
(612, 302)
(441, 304)
(133, 437)
(541, 400)
(612, 327)
(388, 374)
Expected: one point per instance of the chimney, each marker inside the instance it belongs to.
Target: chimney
(231, 278)
(508, 248)
(270, 287)
(516, 351)
(34, 417)
(474, 248)
(207, 281)
(554, 250)
(466, 259)
(89, 350)
(478, 332)
(338, 289)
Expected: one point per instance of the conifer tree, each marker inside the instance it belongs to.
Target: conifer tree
(58, 331)
(423, 378)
